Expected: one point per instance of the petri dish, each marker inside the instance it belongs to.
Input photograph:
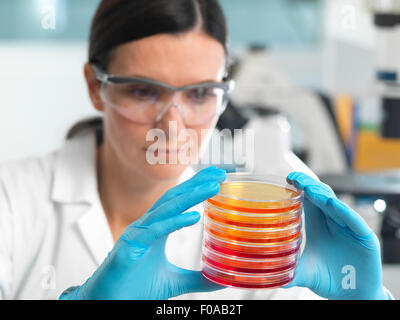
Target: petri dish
(257, 194)
(247, 219)
(247, 280)
(251, 250)
(248, 265)
(252, 232)
(253, 235)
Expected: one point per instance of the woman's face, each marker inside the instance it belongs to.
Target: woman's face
(176, 60)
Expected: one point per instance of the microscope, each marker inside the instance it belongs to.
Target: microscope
(387, 25)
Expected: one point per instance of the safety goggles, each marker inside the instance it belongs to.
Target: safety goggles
(147, 101)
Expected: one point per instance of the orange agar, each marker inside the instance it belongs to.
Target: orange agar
(253, 232)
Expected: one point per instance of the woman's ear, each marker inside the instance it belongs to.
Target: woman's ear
(93, 87)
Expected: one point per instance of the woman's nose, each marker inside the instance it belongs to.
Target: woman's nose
(171, 107)
(171, 119)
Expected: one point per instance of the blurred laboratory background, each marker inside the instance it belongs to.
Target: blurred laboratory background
(314, 78)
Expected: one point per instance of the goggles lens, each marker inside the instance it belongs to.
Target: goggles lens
(143, 102)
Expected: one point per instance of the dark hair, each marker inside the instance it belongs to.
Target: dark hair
(120, 21)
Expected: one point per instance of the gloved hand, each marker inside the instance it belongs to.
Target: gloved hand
(137, 267)
(341, 259)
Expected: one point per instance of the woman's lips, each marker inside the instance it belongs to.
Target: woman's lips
(153, 149)
(181, 155)
(163, 152)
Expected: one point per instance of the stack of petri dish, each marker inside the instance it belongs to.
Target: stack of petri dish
(252, 232)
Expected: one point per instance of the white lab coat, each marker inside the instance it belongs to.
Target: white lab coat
(54, 233)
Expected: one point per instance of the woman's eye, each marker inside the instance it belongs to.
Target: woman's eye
(201, 95)
(143, 92)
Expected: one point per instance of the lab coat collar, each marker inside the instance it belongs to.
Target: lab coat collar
(75, 183)
(75, 178)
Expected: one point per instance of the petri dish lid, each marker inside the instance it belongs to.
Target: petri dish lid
(295, 227)
(216, 209)
(263, 276)
(257, 194)
(285, 259)
(295, 242)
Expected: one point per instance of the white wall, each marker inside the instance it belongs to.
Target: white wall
(42, 93)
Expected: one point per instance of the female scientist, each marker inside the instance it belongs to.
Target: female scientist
(92, 220)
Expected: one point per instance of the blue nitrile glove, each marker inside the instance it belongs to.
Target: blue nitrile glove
(341, 259)
(137, 267)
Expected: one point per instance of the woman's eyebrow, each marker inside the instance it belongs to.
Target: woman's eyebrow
(136, 76)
